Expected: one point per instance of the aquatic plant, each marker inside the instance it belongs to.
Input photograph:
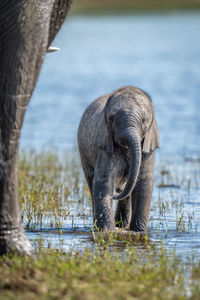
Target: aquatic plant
(51, 190)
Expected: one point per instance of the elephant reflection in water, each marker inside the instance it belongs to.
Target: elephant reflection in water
(117, 138)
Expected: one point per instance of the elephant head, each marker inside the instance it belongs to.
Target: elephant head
(26, 30)
(130, 124)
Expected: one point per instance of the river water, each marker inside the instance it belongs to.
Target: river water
(159, 53)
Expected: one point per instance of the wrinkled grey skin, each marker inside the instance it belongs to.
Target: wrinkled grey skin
(27, 28)
(117, 138)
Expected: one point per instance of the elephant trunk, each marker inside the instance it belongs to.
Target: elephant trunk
(132, 141)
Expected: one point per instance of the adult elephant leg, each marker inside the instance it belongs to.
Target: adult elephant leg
(103, 187)
(24, 27)
(123, 213)
(142, 194)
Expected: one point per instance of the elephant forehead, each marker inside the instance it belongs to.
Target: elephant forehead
(143, 103)
(138, 103)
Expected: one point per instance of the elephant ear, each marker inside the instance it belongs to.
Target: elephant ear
(104, 138)
(151, 139)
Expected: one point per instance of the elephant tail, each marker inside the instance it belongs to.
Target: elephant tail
(132, 141)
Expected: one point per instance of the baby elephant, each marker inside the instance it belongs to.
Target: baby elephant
(117, 137)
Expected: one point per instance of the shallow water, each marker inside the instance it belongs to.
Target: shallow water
(174, 219)
(159, 53)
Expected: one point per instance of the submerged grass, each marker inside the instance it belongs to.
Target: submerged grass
(49, 187)
(53, 193)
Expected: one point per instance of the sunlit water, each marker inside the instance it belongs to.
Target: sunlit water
(159, 53)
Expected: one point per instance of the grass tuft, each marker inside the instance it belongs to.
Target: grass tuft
(96, 275)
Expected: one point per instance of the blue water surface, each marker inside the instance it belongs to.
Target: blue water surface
(158, 53)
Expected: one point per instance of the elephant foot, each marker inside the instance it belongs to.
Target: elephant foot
(104, 225)
(15, 241)
(123, 213)
(122, 223)
(138, 224)
(104, 220)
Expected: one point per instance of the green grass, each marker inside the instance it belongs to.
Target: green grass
(98, 275)
(49, 185)
(53, 192)
(131, 6)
